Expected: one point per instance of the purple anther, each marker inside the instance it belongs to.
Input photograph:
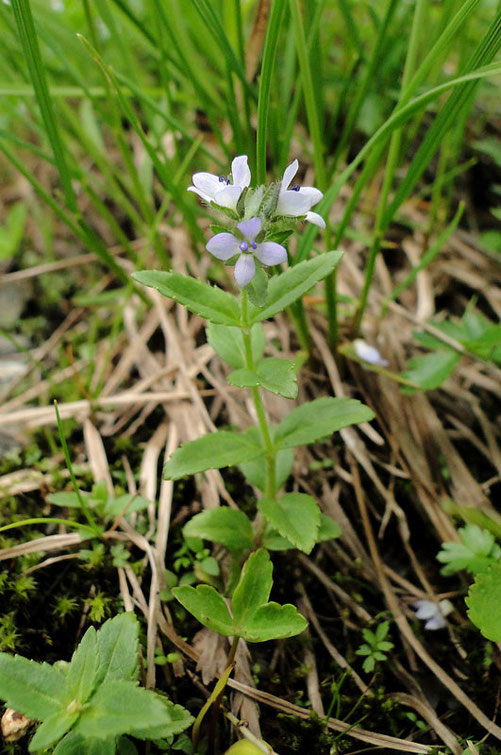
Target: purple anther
(296, 187)
(253, 245)
(222, 179)
(244, 246)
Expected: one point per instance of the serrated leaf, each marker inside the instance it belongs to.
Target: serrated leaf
(318, 419)
(120, 707)
(213, 451)
(257, 289)
(223, 525)
(295, 516)
(278, 376)
(209, 302)
(117, 642)
(228, 343)
(76, 744)
(52, 729)
(36, 689)
(429, 371)
(81, 675)
(273, 541)
(328, 529)
(484, 603)
(273, 622)
(475, 553)
(177, 719)
(206, 605)
(286, 288)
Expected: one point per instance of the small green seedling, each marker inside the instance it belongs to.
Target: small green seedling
(475, 553)
(86, 705)
(375, 646)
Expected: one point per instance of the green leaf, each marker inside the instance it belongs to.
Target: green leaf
(81, 675)
(275, 374)
(429, 370)
(328, 529)
(206, 605)
(278, 376)
(475, 553)
(255, 470)
(67, 500)
(209, 302)
(229, 345)
(176, 720)
(318, 419)
(125, 505)
(484, 603)
(120, 707)
(273, 622)
(257, 289)
(254, 586)
(36, 689)
(52, 729)
(77, 744)
(223, 525)
(273, 541)
(285, 288)
(213, 451)
(295, 516)
(117, 642)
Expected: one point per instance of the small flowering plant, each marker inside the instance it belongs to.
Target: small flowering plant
(252, 227)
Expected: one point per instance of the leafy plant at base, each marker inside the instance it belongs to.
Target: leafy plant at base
(375, 646)
(86, 704)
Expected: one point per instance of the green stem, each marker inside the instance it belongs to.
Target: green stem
(271, 485)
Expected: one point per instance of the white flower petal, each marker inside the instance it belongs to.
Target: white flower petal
(240, 171)
(446, 607)
(250, 228)
(314, 195)
(292, 203)
(223, 246)
(368, 353)
(228, 197)
(316, 219)
(425, 609)
(271, 253)
(289, 174)
(207, 182)
(205, 197)
(244, 269)
(436, 622)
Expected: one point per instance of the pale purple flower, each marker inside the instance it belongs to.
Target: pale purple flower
(224, 246)
(368, 353)
(298, 200)
(433, 613)
(219, 189)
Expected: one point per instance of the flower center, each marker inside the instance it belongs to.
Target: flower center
(243, 246)
(224, 180)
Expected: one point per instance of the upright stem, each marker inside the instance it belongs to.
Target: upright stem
(271, 484)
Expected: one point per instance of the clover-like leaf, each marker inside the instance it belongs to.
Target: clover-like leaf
(295, 516)
(484, 603)
(206, 605)
(273, 622)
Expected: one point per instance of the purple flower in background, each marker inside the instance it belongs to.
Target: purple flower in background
(219, 189)
(224, 246)
(298, 200)
(368, 353)
(433, 613)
